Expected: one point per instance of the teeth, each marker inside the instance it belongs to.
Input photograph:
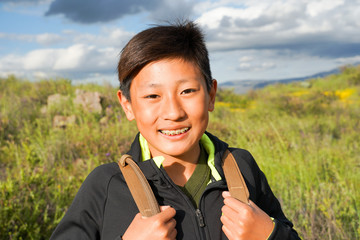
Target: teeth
(174, 132)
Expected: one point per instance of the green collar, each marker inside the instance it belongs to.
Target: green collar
(205, 141)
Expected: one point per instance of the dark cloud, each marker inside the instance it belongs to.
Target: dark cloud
(331, 49)
(325, 49)
(322, 46)
(92, 11)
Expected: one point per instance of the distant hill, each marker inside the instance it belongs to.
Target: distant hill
(243, 86)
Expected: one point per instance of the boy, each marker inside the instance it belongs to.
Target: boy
(167, 88)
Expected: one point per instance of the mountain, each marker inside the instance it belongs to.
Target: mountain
(243, 86)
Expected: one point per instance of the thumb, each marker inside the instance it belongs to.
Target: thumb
(167, 212)
(163, 208)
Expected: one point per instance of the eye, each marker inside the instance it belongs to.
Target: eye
(187, 91)
(152, 96)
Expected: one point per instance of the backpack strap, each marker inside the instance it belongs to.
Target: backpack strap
(139, 187)
(145, 198)
(235, 181)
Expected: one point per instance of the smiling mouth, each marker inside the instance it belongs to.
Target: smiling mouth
(174, 132)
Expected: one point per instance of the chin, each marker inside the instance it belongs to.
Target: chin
(177, 152)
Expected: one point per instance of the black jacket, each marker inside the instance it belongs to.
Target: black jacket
(103, 208)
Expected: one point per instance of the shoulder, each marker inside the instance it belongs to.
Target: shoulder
(246, 162)
(106, 170)
(93, 193)
(85, 216)
(100, 177)
(244, 157)
(242, 153)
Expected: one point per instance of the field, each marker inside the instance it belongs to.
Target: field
(304, 135)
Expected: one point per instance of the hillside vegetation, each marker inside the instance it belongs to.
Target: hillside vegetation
(304, 135)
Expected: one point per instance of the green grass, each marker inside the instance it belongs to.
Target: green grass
(305, 137)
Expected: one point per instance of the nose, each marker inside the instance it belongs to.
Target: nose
(172, 109)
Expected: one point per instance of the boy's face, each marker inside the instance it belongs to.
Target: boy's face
(170, 104)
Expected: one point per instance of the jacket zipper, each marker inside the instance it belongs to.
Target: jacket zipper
(198, 213)
(212, 186)
(200, 218)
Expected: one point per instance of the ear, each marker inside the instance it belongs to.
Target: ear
(212, 96)
(126, 106)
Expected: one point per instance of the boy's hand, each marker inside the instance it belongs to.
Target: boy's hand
(159, 226)
(243, 221)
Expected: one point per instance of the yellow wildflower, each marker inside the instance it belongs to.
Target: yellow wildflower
(299, 93)
(345, 93)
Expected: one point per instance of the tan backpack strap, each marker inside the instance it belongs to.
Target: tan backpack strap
(139, 187)
(235, 181)
(144, 196)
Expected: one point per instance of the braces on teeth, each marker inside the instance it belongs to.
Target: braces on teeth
(174, 132)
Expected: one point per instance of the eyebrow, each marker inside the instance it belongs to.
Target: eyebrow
(155, 85)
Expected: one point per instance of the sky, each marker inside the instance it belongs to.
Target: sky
(247, 40)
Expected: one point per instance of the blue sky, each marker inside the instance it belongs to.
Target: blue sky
(247, 39)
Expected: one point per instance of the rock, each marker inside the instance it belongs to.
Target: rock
(90, 101)
(56, 99)
(305, 84)
(63, 121)
(43, 110)
(53, 100)
(79, 162)
(103, 121)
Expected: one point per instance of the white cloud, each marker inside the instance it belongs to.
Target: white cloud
(77, 55)
(113, 37)
(40, 75)
(290, 24)
(73, 57)
(42, 39)
(49, 38)
(245, 66)
(17, 37)
(315, 8)
(255, 65)
(348, 60)
(246, 59)
(40, 59)
(204, 6)
(75, 60)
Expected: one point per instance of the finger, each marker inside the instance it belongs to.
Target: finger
(171, 223)
(138, 216)
(226, 194)
(166, 213)
(229, 213)
(163, 208)
(228, 232)
(235, 204)
(225, 220)
(170, 228)
(253, 205)
(173, 234)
